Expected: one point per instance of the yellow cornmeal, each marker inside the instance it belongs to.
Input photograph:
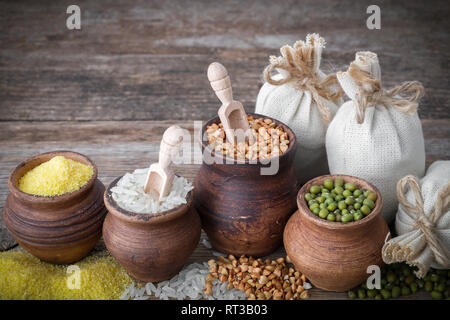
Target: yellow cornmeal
(23, 276)
(56, 177)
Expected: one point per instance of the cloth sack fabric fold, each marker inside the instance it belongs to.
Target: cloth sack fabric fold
(300, 95)
(423, 221)
(377, 135)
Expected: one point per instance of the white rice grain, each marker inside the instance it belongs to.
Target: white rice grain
(307, 285)
(188, 284)
(207, 244)
(129, 193)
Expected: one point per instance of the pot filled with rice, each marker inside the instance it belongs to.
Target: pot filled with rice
(151, 239)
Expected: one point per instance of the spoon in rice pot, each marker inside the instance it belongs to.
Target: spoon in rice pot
(160, 175)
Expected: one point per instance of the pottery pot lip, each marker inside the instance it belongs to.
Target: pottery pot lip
(41, 158)
(144, 218)
(307, 214)
(230, 161)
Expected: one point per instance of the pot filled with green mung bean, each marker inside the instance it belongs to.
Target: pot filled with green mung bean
(337, 232)
(339, 201)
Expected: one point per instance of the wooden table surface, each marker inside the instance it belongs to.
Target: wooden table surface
(110, 89)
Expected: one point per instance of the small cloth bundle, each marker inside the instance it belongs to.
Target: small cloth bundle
(424, 229)
(377, 135)
(302, 97)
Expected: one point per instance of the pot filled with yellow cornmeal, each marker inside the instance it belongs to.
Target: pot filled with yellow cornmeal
(55, 208)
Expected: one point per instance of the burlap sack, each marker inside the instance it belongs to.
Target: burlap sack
(302, 97)
(423, 221)
(377, 135)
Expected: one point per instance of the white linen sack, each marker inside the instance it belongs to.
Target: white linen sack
(423, 221)
(302, 97)
(377, 135)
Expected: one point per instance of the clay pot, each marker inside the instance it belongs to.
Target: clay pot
(60, 229)
(242, 211)
(151, 247)
(334, 256)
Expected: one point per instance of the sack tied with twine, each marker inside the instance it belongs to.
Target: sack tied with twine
(377, 135)
(297, 93)
(423, 221)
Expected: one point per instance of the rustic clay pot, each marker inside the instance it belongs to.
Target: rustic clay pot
(151, 247)
(60, 229)
(334, 256)
(242, 211)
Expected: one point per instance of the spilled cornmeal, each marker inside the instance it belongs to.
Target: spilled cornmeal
(98, 277)
(56, 177)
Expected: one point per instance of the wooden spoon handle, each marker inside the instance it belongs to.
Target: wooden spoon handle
(220, 82)
(170, 145)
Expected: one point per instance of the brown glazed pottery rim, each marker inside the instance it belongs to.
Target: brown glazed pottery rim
(136, 217)
(231, 161)
(13, 178)
(304, 209)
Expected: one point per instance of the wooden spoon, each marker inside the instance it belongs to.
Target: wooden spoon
(160, 175)
(231, 113)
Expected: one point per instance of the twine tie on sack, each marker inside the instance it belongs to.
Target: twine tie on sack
(298, 62)
(427, 224)
(370, 93)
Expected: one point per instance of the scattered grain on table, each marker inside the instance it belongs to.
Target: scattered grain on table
(259, 279)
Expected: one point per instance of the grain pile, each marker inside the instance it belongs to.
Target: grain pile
(187, 284)
(259, 279)
(23, 276)
(269, 140)
(129, 193)
(55, 177)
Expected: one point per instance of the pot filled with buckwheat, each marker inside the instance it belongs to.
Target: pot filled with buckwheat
(246, 191)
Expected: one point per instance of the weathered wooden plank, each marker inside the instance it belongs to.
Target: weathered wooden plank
(38, 134)
(110, 143)
(146, 60)
(6, 241)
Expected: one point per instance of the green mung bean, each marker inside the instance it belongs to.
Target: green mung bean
(340, 201)
(399, 280)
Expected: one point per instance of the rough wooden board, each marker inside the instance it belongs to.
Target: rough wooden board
(120, 146)
(6, 241)
(147, 60)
